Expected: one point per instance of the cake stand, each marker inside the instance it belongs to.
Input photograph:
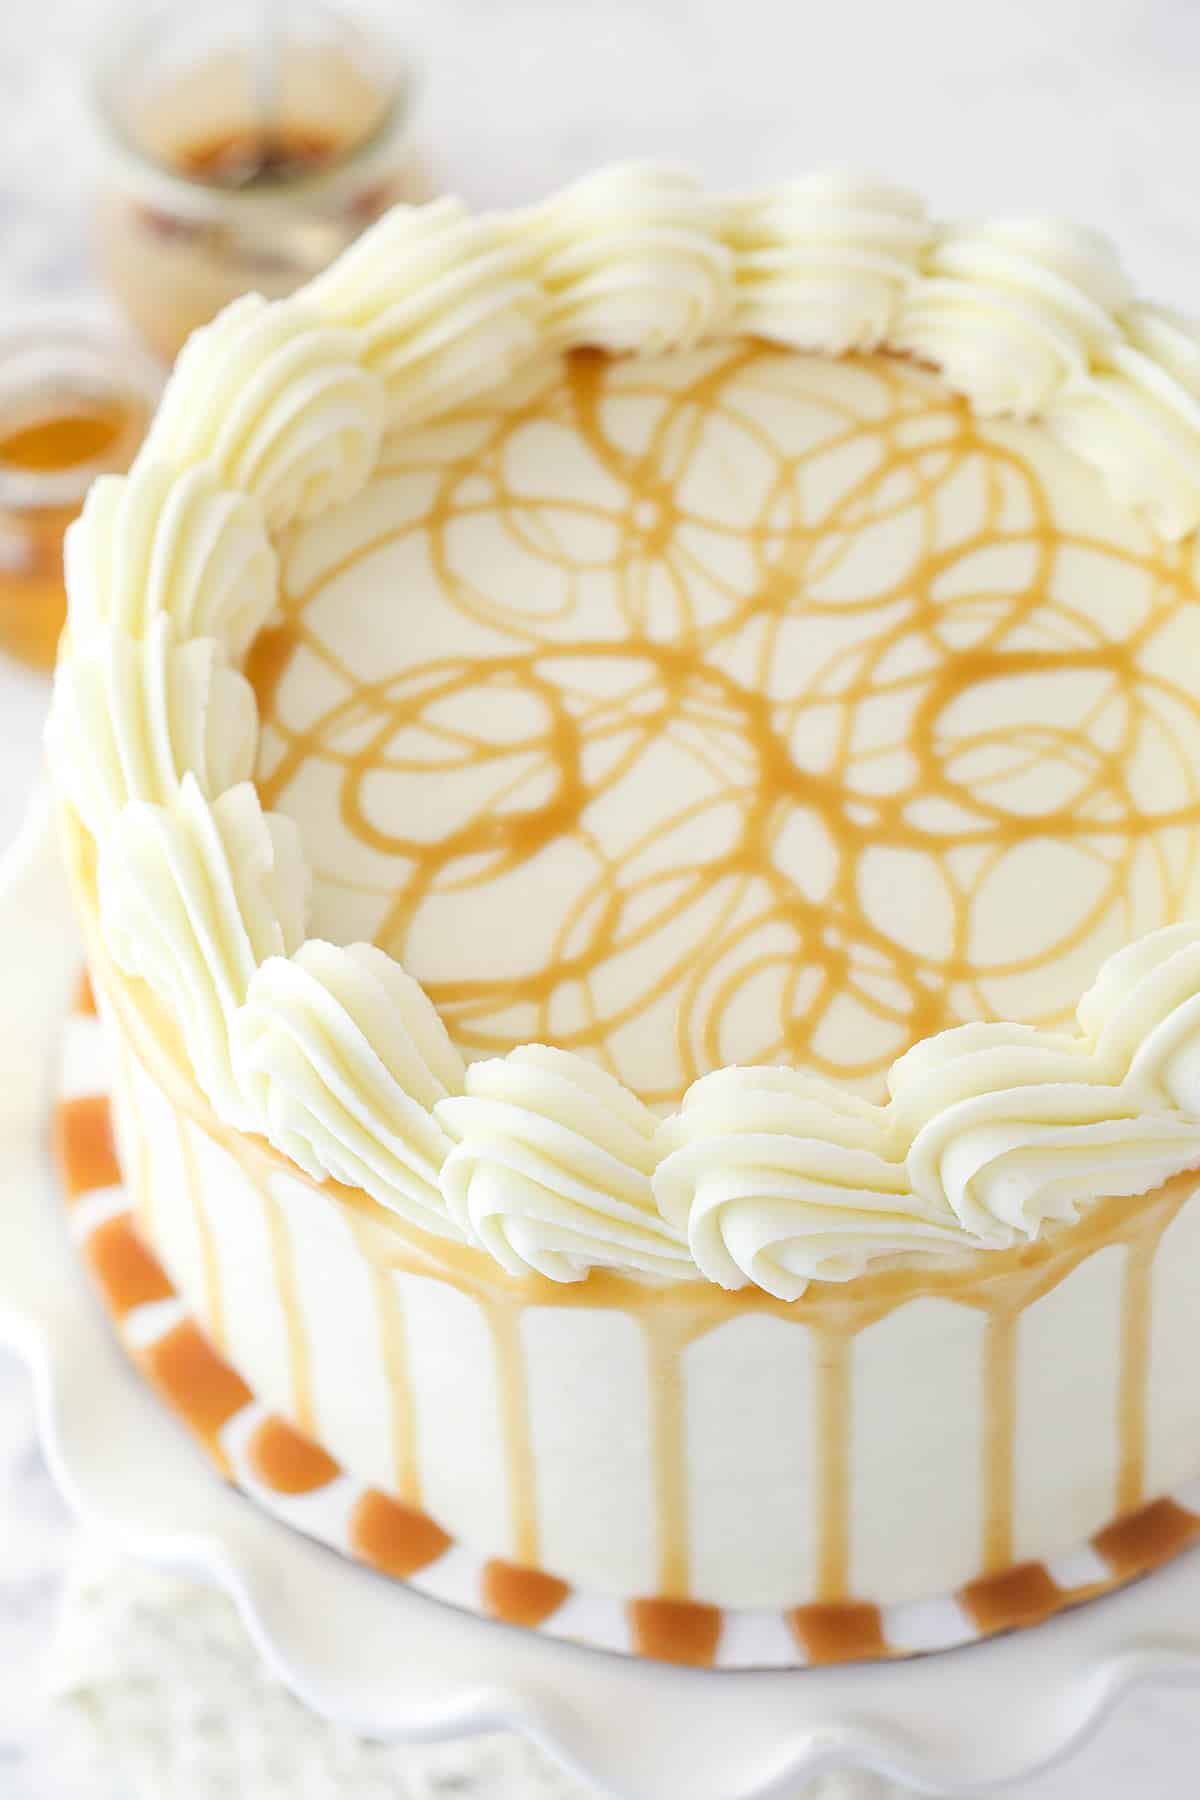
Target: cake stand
(387, 1662)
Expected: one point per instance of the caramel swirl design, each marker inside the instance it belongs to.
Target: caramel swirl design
(736, 707)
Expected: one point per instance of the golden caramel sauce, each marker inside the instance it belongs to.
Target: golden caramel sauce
(675, 1631)
(852, 1632)
(33, 602)
(1146, 1538)
(393, 1342)
(286, 1461)
(299, 1351)
(521, 1596)
(394, 1538)
(129, 1275)
(83, 1140)
(197, 1384)
(254, 158)
(1021, 1595)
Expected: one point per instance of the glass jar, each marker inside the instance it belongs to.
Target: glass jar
(75, 402)
(247, 144)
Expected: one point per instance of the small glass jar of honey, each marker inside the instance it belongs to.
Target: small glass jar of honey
(246, 143)
(75, 402)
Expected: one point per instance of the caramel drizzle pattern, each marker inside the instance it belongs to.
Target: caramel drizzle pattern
(916, 443)
(400, 1540)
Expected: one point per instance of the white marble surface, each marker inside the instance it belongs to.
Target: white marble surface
(1084, 107)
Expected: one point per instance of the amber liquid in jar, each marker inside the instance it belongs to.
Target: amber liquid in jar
(50, 449)
(209, 198)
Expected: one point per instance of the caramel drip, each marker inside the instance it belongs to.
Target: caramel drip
(83, 1145)
(999, 1426)
(1146, 1538)
(1021, 1595)
(286, 1461)
(512, 1401)
(851, 1632)
(833, 1416)
(197, 1383)
(393, 1342)
(85, 999)
(129, 1275)
(675, 1631)
(667, 1332)
(1135, 1370)
(711, 668)
(521, 1596)
(214, 1299)
(299, 1355)
(397, 1539)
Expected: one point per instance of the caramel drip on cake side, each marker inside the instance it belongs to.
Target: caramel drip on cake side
(393, 1341)
(291, 1312)
(214, 1298)
(833, 1421)
(872, 695)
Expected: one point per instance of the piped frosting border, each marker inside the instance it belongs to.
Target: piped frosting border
(275, 413)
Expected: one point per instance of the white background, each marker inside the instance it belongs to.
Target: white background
(1086, 108)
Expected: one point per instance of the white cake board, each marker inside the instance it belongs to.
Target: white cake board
(386, 1662)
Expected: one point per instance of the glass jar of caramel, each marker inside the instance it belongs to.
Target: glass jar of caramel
(75, 402)
(247, 143)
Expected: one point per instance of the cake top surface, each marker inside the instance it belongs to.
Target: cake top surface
(688, 707)
(736, 706)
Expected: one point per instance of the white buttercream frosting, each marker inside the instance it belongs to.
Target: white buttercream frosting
(551, 1170)
(1143, 1016)
(131, 717)
(780, 1179)
(193, 897)
(280, 402)
(171, 542)
(1009, 311)
(343, 1059)
(1013, 1128)
(1136, 417)
(276, 413)
(631, 259)
(822, 262)
(446, 304)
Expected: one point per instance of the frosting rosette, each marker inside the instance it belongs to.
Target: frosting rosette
(343, 1059)
(1012, 1129)
(1011, 310)
(172, 542)
(1136, 417)
(131, 717)
(279, 402)
(821, 262)
(446, 304)
(630, 259)
(193, 897)
(779, 1179)
(1142, 1014)
(551, 1170)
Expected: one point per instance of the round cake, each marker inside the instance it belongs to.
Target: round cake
(631, 771)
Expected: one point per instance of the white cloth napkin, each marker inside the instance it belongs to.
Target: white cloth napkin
(155, 1685)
